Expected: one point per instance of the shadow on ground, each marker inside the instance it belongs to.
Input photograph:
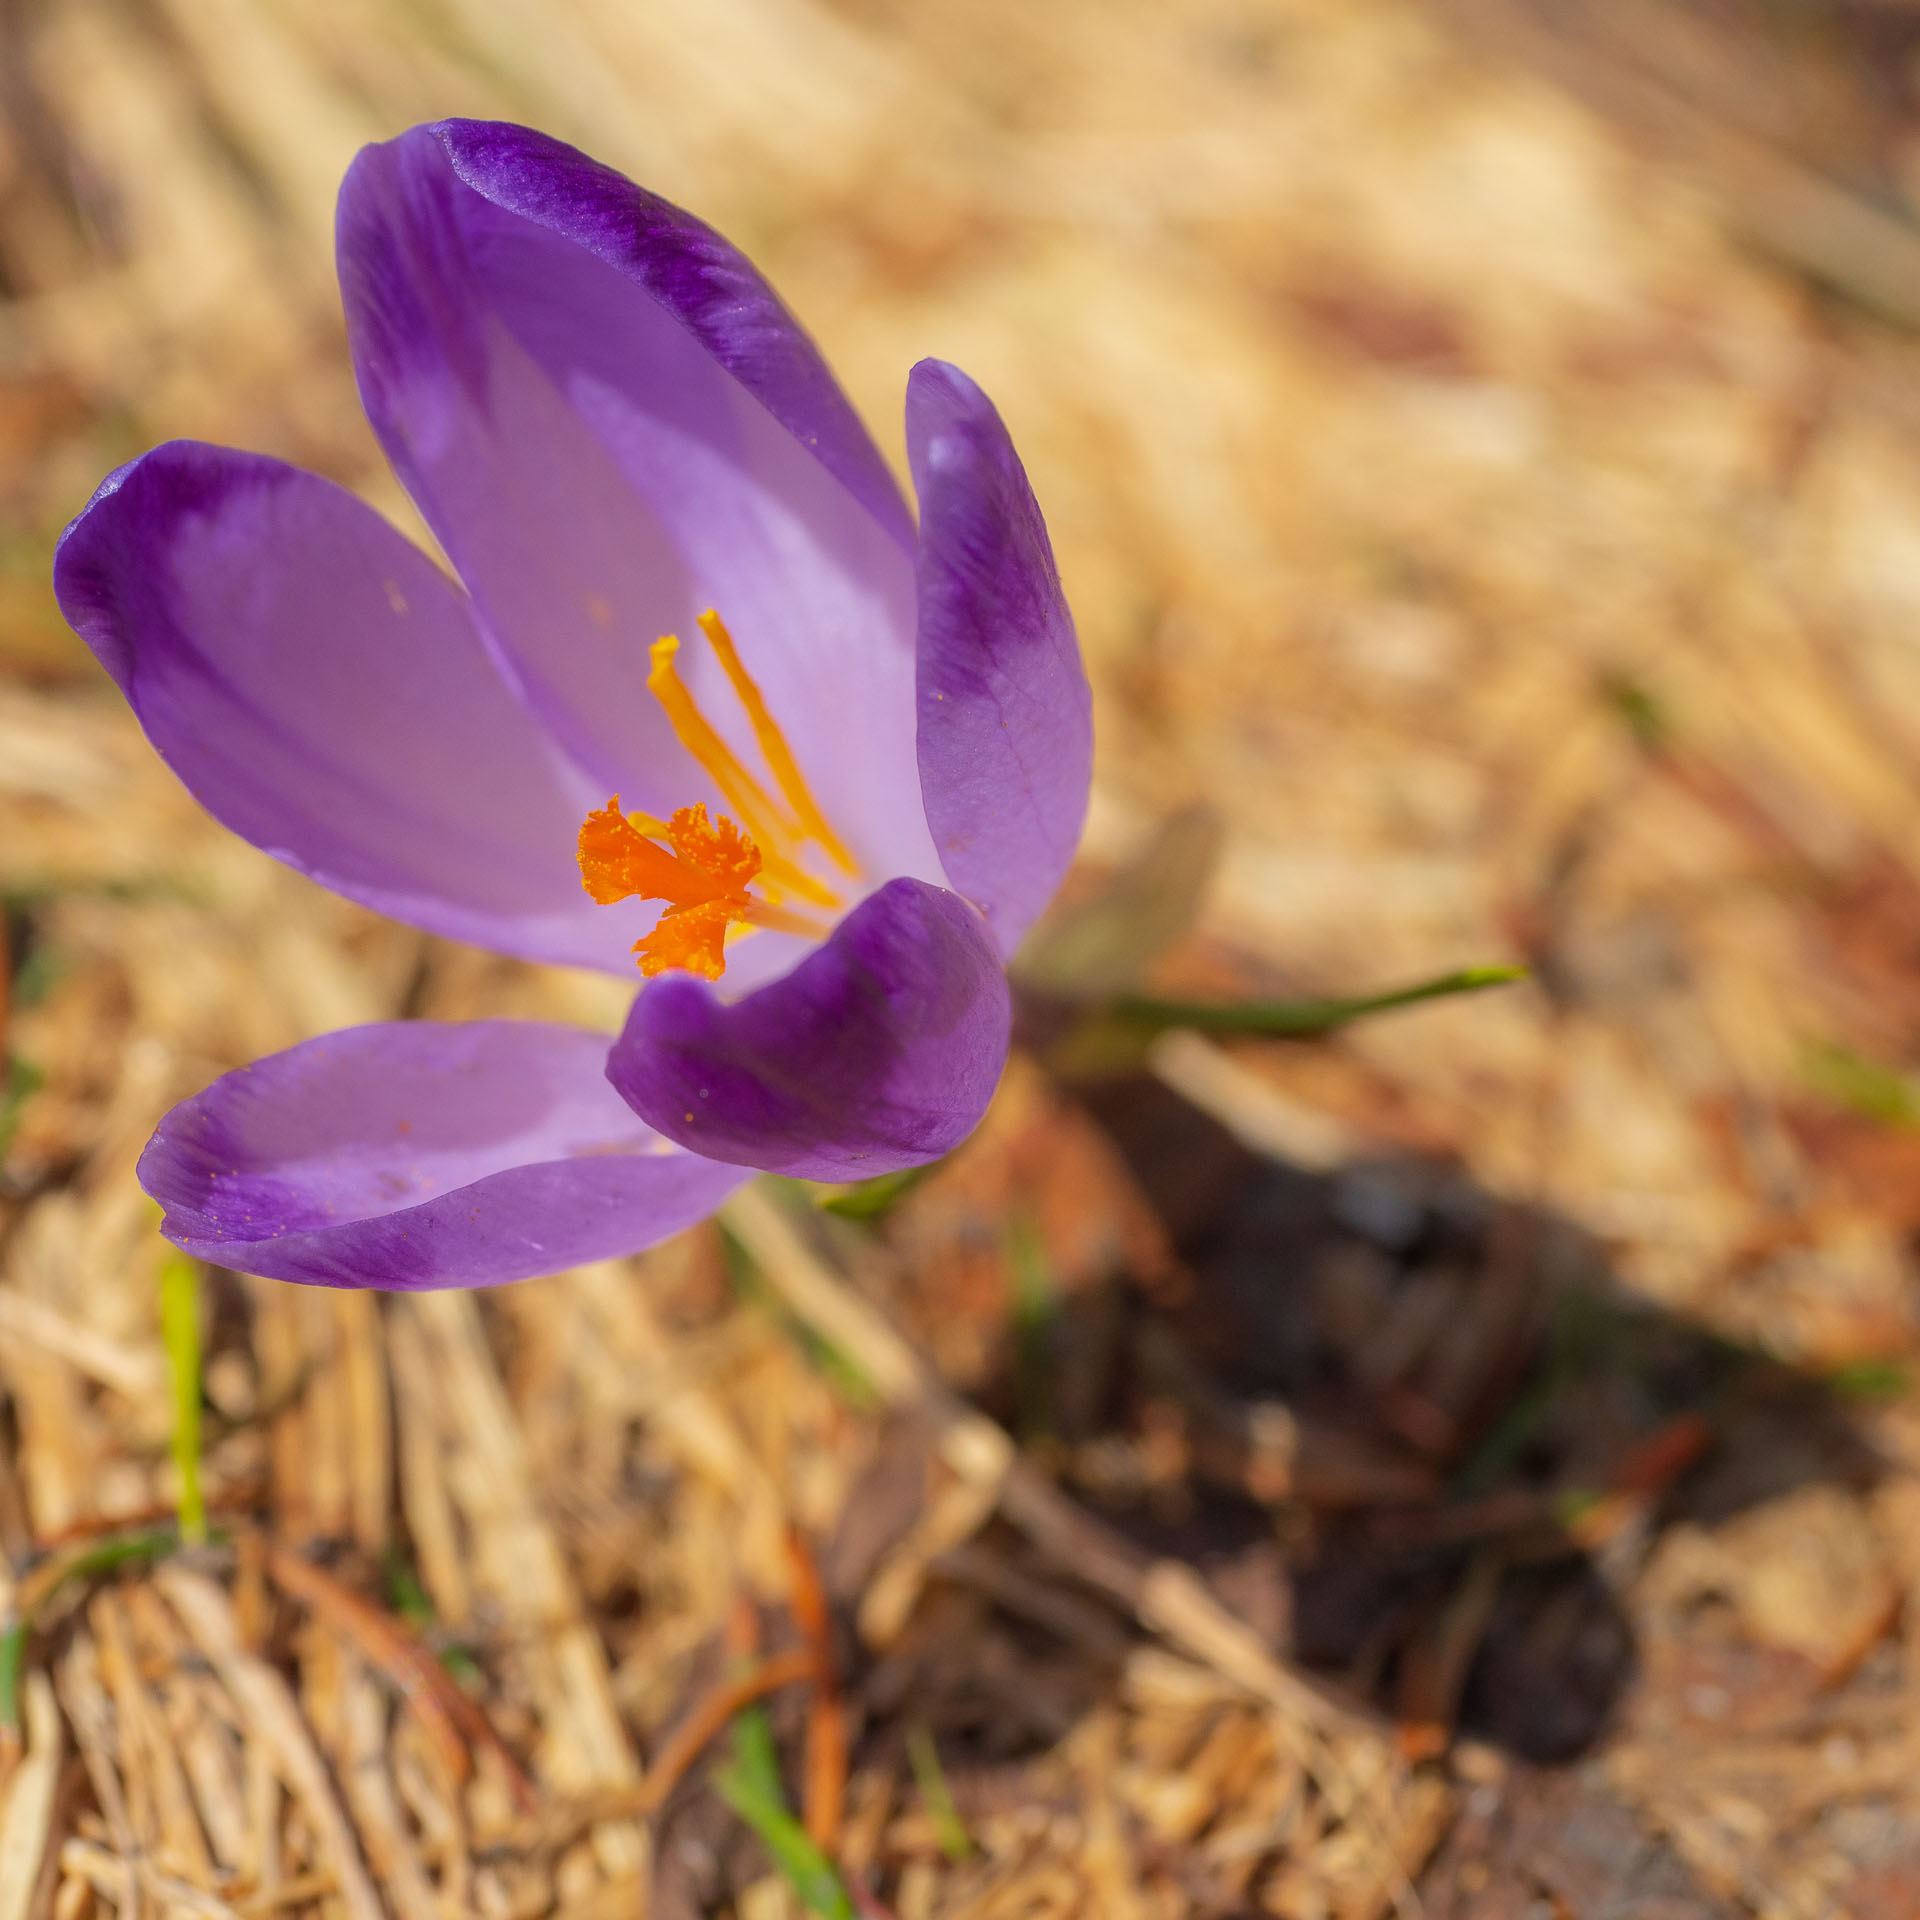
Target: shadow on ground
(1473, 1434)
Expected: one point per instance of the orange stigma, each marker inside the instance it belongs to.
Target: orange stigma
(705, 868)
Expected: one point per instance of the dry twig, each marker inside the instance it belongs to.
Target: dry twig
(826, 1774)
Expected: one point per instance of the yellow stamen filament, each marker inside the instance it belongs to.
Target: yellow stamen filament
(773, 745)
(763, 913)
(702, 869)
(748, 798)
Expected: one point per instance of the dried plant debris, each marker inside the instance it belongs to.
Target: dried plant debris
(1469, 1467)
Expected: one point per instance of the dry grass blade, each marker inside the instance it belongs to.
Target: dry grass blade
(516, 1558)
(92, 1721)
(368, 1781)
(710, 1718)
(137, 1372)
(1840, 237)
(147, 1747)
(562, 1822)
(27, 1799)
(106, 1873)
(1433, 1671)
(273, 1717)
(1168, 1597)
(1473, 552)
(448, 1717)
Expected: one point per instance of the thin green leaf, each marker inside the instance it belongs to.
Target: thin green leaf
(868, 1200)
(842, 1372)
(1642, 712)
(411, 1601)
(750, 1785)
(109, 1556)
(1869, 1089)
(1304, 1019)
(1869, 1379)
(19, 1083)
(180, 1333)
(1036, 1312)
(13, 1657)
(755, 1757)
(40, 1583)
(805, 1868)
(924, 1757)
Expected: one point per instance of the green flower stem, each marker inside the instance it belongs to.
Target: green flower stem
(180, 1331)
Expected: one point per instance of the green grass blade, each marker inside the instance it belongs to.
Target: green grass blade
(1864, 1086)
(924, 1757)
(13, 1657)
(19, 1082)
(46, 1579)
(750, 1785)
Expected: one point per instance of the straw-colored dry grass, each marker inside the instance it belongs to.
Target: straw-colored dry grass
(1479, 509)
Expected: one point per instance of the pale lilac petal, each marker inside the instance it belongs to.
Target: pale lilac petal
(319, 686)
(1006, 724)
(712, 287)
(415, 1155)
(611, 425)
(878, 1051)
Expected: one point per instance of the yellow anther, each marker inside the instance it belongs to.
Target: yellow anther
(773, 746)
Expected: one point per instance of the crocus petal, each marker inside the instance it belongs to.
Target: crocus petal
(1005, 717)
(611, 425)
(320, 687)
(714, 289)
(414, 1155)
(878, 1051)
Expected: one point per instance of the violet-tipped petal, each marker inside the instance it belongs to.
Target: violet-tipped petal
(711, 287)
(415, 1155)
(1005, 716)
(599, 474)
(320, 687)
(879, 1050)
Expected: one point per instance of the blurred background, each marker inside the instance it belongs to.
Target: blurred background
(1467, 1465)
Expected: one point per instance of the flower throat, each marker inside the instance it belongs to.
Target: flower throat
(703, 868)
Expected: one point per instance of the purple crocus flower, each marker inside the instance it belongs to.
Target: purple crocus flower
(841, 803)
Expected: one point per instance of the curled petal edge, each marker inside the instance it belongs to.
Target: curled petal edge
(879, 1051)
